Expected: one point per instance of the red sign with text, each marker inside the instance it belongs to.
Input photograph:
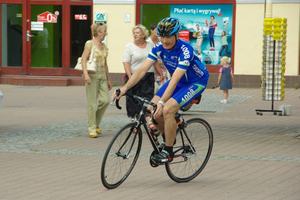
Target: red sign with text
(47, 17)
(80, 17)
(184, 35)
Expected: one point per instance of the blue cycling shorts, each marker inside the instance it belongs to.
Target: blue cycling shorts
(183, 93)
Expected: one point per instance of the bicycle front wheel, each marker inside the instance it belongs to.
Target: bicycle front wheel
(121, 156)
(192, 150)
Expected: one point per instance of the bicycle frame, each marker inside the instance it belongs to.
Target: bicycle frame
(193, 149)
(139, 121)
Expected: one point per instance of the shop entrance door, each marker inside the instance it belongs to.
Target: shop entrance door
(31, 38)
(44, 37)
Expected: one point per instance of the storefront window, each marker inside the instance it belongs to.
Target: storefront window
(207, 27)
(80, 31)
(46, 44)
(11, 25)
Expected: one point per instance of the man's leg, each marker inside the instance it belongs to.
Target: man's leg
(169, 112)
(167, 154)
(155, 99)
(160, 121)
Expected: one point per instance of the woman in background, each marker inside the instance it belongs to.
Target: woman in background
(135, 54)
(97, 84)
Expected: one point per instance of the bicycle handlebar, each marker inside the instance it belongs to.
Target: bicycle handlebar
(118, 91)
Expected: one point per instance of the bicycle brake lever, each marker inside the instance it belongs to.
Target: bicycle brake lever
(111, 103)
(116, 95)
(117, 100)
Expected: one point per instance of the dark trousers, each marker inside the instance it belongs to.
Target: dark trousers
(144, 88)
(211, 33)
(223, 47)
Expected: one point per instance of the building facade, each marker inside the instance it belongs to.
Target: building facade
(65, 26)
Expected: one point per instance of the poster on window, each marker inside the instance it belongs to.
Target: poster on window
(209, 28)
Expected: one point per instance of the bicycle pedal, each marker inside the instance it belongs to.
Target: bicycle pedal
(152, 162)
(179, 159)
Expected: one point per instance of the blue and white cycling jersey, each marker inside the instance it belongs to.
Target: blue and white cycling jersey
(181, 56)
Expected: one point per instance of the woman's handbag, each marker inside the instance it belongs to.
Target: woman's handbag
(90, 64)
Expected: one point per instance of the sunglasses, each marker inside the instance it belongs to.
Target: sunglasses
(100, 23)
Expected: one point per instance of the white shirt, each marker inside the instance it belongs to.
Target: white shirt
(136, 56)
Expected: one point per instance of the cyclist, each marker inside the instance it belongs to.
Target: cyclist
(188, 80)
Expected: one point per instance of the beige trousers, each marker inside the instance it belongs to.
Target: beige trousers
(97, 90)
(199, 43)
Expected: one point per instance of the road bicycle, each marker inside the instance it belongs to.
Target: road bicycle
(192, 148)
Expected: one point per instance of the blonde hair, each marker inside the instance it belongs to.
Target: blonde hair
(143, 29)
(97, 27)
(226, 60)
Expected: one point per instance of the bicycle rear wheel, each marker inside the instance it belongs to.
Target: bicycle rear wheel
(192, 150)
(120, 156)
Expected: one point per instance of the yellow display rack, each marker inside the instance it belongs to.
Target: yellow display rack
(273, 62)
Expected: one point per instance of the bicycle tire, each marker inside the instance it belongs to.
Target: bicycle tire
(184, 169)
(115, 169)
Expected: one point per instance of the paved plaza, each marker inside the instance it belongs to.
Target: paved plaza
(46, 153)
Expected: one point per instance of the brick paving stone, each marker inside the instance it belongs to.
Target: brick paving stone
(46, 153)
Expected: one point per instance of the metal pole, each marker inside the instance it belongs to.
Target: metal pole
(273, 75)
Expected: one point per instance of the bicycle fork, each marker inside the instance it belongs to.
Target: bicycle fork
(126, 156)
